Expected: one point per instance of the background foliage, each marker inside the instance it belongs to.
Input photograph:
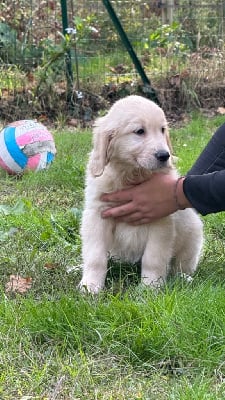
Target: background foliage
(180, 47)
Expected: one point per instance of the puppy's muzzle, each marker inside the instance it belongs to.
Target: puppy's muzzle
(162, 155)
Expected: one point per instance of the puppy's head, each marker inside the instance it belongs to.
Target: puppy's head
(134, 132)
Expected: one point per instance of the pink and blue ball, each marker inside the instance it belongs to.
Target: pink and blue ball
(26, 145)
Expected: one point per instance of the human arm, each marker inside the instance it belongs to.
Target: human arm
(206, 192)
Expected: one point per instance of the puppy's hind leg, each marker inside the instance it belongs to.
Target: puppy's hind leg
(96, 236)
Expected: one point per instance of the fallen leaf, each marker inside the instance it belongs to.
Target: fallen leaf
(17, 284)
(221, 110)
(73, 122)
(50, 266)
(42, 118)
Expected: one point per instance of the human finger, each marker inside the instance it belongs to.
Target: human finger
(117, 197)
(119, 211)
(130, 218)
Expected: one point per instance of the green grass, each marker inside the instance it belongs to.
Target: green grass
(127, 343)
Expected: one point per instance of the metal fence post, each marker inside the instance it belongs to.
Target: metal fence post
(69, 69)
(167, 11)
(128, 46)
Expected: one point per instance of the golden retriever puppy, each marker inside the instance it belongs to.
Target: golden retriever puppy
(131, 142)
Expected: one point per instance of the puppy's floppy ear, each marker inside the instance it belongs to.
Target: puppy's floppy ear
(173, 158)
(101, 141)
(169, 144)
(169, 141)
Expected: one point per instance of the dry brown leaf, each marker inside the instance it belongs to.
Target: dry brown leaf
(50, 266)
(221, 110)
(74, 122)
(17, 284)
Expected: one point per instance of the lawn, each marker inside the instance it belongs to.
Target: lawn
(127, 343)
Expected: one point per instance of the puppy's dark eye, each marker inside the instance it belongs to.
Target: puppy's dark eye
(140, 131)
(163, 129)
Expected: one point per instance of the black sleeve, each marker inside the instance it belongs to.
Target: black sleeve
(206, 192)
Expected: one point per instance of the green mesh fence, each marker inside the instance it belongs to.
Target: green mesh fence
(177, 42)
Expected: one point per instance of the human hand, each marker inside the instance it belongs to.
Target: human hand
(153, 199)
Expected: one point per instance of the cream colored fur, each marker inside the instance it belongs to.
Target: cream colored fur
(123, 156)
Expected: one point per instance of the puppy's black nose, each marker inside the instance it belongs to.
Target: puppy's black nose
(162, 155)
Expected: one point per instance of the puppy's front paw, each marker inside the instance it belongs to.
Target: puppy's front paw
(89, 287)
(153, 282)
